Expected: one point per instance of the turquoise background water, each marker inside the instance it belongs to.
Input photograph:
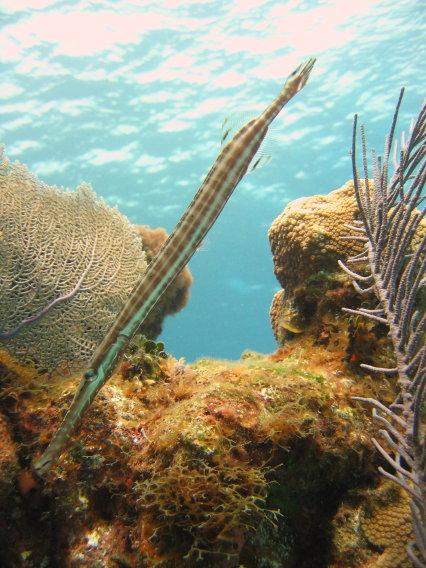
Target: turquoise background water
(130, 96)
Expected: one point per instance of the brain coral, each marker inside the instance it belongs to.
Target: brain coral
(307, 240)
(66, 251)
(307, 236)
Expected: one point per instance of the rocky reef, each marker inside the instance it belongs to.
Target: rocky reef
(310, 233)
(251, 463)
(306, 244)
(265, 462)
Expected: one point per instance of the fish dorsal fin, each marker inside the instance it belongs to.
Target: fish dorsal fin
(230, 126)
(232, 123)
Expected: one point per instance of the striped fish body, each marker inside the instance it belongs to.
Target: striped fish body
(230, 166)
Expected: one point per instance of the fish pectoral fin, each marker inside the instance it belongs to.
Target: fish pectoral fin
(260, 159)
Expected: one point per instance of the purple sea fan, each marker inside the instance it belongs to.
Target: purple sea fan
(393, 230)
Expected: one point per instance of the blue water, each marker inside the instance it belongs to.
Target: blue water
(130, 97)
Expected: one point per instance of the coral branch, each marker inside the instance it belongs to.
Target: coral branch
(395, 249)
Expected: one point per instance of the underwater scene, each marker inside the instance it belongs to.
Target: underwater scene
(212, 284)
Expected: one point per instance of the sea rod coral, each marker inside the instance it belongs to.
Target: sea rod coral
(389, 222)
(231, 165)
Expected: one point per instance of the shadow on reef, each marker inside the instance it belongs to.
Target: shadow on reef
(308, 496)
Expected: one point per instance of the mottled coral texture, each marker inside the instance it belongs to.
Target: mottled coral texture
(306, 243)
(307, 236)
(372, 528)
(307, 240)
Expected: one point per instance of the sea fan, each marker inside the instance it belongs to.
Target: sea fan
(68, 262)
(393, 230)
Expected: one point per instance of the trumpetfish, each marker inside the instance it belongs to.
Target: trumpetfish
(230, 166)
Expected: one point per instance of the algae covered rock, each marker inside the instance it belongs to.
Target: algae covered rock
(307, 240)
(216, 464)
(306, 243)
(9, 466)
